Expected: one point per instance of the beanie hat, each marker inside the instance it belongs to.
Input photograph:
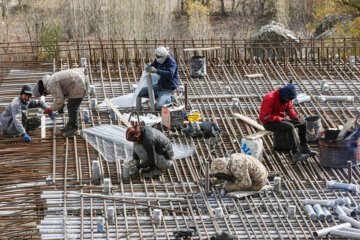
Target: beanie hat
(288, 91)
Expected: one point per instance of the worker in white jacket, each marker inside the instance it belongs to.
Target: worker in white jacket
(67, 84)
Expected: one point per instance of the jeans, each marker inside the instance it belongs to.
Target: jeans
(163, 96)
(73, 109)
(289, 127)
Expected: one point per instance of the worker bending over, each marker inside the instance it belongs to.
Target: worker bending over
(153, 151)
(67, 84)
(240, 172)
(272, 114)
(14, 120)
(165, 66)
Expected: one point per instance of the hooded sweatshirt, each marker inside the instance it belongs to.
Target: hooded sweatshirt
(273, 106)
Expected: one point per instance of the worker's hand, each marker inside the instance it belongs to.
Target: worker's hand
(26, 138)
(287, 119)
(151, 70)
(48, 111)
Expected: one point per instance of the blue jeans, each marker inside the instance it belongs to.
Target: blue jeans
(163, 96)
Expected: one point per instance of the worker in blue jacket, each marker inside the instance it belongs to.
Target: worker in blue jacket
(165, 66)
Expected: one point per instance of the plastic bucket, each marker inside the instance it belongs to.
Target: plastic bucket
(335, 153)
(198, 66)
(313, 128)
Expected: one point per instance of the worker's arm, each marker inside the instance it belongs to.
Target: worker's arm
(58, 96)
(17, 118)
(266, 111)
(169, 72)
(290, 111)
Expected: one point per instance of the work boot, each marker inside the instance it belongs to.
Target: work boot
(305, 149)
(65, 129)
(299, 157)
(71, 132)
(153, 173)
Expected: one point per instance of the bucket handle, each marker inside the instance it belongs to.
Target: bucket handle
(138, 118)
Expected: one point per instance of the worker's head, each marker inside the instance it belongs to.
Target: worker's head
(220, 166)
(39, 89)
(161, 54)
(26, 93)
(287, 93)
(133, 134)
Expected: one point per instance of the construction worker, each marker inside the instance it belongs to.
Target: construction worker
(272, 115)
(153, 151)
(165, 66)
(240, 172)
(14, 120)
(67, 84)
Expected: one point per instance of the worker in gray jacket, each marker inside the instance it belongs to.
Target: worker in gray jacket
(153, 151)
(14, 120)
(67, 84)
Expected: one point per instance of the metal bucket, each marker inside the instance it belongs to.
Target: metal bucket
(313, 128)
(335, 153)
(198, 66)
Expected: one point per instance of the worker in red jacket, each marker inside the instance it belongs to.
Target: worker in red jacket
(272, 115)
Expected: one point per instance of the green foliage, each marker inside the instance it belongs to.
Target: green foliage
(199, 18)
(49, 36)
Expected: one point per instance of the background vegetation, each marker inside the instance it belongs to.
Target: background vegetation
(34, 20)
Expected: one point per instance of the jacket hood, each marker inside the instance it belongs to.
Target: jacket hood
(288, 91)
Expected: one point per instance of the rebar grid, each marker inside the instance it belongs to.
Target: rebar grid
(36, 179)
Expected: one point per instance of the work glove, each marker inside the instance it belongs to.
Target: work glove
(48, 111)
(151, 69)
(26, 138)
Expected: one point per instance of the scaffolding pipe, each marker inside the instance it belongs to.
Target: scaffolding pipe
(319, 212)
(309, 209)
(328, 215)
(343, 201)
(344, 186)
(326, 231)
(349, 212)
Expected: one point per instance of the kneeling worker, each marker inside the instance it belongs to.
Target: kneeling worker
(70, 84)
(240, 172)
(165, 66)
(272, 115)
(14, 120)
(152, 150)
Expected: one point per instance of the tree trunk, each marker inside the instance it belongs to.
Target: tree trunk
(222, 7)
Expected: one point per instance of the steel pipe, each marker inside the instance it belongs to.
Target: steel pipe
(325, 203)
(309, 209)
(345, 234)
(336, 185)
(336, 98)
(319, 212)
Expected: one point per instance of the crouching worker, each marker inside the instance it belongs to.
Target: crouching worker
(153, 151)
(70, 84)
(240, 172)
(14, 120)
(165, 66)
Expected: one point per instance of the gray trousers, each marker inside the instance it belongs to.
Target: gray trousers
(161, 162)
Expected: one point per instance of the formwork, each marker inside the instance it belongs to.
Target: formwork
(38, 180)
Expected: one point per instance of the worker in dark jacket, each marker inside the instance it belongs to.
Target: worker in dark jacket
(272, 114)
(165, 66)
(14, 120)
(152, 150)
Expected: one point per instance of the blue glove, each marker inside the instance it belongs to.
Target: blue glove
(53, 114)
(26, 138)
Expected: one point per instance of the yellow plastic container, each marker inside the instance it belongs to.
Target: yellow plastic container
(194, 116)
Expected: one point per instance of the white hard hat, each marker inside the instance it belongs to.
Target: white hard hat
(162, 51)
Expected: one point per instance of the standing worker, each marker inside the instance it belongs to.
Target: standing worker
(70, 84)
(165, 66)
(273, 109)
(153, 151)
(240, 172)
(14, 120)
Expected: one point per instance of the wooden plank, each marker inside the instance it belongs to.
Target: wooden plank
(255, 75)
(257, 135)
(249, 121)
(346, 128)
(241, 194)
(201, 49)
(120, 116)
